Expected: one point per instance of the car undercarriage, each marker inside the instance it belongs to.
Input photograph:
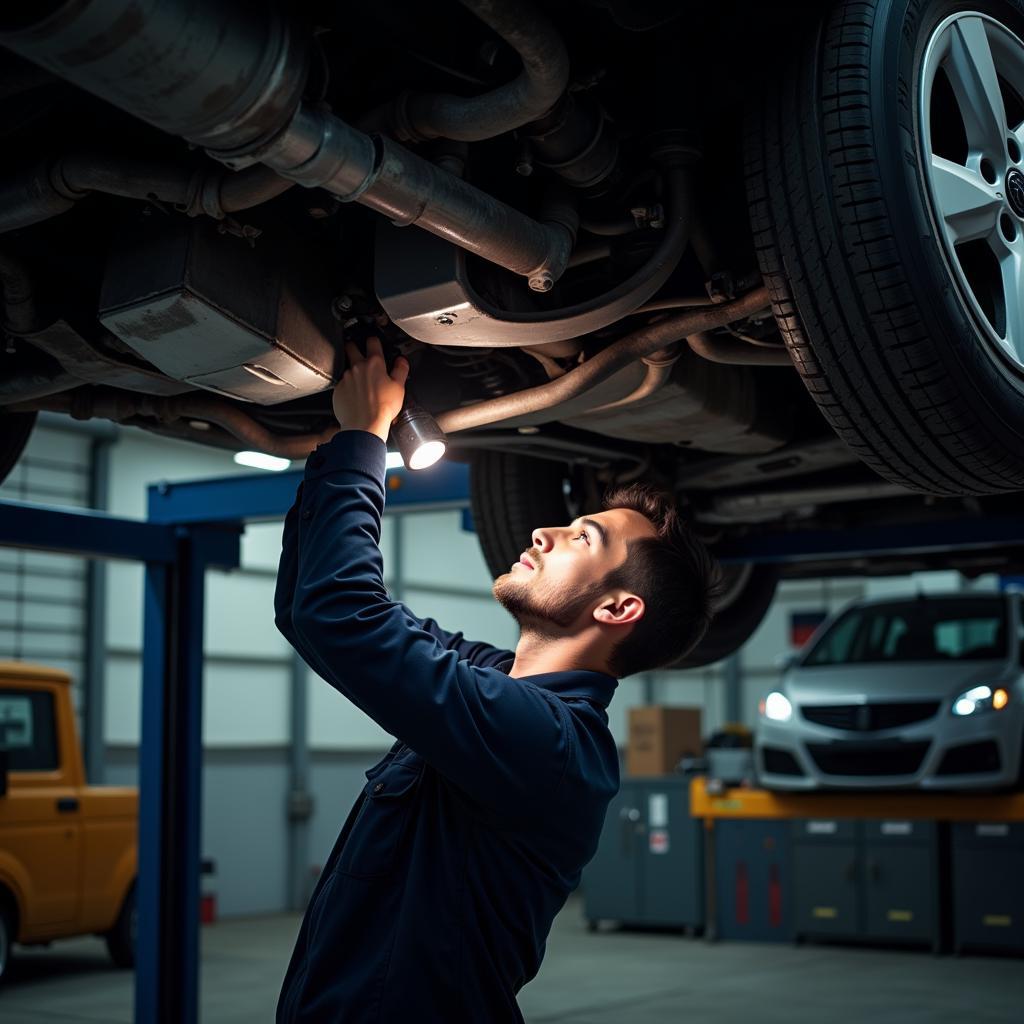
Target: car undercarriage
(570, 221)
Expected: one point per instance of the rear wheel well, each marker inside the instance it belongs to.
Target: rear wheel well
(9, 902)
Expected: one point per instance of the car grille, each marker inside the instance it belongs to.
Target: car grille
(869, 717)
(868, 759)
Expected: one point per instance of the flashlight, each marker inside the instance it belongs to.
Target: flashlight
(420, 440)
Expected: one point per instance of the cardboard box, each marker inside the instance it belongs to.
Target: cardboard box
(659, 737)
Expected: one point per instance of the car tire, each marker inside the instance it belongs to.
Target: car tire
(511, 495)
(749, 592)
(121, 938)
(15, 430)
(6, 940)
(875, 304)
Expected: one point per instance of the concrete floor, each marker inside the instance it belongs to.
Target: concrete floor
(607, 978)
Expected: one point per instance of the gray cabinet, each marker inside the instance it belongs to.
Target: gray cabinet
(753, 868)
(988, 885)
(826, 874)
(866, 880)
(649, 867)
(901, 884)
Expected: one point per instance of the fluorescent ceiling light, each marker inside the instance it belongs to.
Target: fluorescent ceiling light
(260, 460)
(394, 460)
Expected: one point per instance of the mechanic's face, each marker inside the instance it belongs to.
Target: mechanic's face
(560, 579)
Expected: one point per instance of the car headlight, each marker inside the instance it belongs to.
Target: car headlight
(776, 707)
(981, 698)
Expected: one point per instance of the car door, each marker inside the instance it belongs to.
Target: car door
(40, 834)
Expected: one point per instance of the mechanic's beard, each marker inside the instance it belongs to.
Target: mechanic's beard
(544, 616)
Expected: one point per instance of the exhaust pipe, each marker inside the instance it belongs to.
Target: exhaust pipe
(229, 78)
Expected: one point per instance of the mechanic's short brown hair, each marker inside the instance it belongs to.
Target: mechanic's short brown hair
(675, 574)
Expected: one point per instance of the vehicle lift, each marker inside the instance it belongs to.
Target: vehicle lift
(195, 526)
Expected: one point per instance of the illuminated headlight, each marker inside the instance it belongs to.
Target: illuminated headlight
(776, 707)
(980, 698)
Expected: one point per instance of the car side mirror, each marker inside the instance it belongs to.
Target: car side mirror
(4, 764)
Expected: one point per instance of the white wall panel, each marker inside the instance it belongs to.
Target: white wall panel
(261, 545)
(123, 700)
(139, 459)
(436, 550)
(240, 616)
(60, 586)
(39, 611)
(42, 596)
(335, 723)
(925, 582)
(245, 705)
(125, 604)
(43, 562)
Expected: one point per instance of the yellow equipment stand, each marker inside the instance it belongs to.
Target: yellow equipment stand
(759, 803)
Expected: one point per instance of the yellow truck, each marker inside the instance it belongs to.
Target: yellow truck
(68, 856)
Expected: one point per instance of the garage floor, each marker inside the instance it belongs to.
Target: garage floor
(606, 978)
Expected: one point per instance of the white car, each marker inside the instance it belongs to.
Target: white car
(924, 691)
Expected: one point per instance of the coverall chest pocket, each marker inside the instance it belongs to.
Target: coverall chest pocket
(381, 829)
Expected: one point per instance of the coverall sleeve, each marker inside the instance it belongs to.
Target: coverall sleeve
(476, 652)
(499, 739)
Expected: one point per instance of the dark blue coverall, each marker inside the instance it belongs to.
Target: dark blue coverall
(435, 904)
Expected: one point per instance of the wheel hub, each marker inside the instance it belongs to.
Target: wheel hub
(1015, 191)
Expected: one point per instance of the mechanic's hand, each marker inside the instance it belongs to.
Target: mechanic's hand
(367, 397)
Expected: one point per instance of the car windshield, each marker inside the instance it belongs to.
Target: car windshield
(926, 629)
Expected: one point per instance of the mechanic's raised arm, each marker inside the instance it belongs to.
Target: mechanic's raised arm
(476, 652)
(497, 738)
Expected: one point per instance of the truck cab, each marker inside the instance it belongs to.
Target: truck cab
(68, 855)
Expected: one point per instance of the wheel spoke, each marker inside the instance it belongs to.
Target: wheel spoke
(1011, 265)
(972, 74)
(1018, 134)
(969, 207)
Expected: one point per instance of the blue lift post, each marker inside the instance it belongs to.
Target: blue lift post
(167, 891)
(195, 526)
(170, 772)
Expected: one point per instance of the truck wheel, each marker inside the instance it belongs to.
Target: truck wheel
(15, 428)
(6, 940)
(121, 938)
(885, 172)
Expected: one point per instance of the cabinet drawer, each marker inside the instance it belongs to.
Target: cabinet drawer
(988, 898)
(901, 892)
(900, 831)
(991, 834)
(826, 830)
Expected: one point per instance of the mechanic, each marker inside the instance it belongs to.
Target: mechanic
(436, 901)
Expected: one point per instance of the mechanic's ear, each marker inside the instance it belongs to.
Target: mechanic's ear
(620, 609)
